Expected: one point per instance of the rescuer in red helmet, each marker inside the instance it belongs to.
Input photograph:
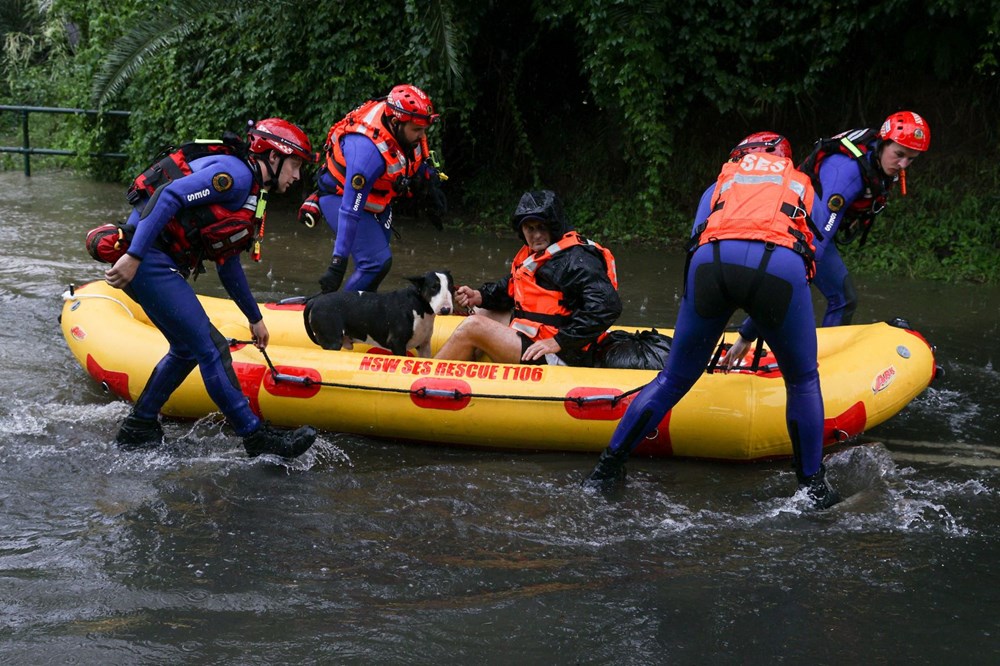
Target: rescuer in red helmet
(854, 172)
(205, 201)
(762, 142)
(374, 155)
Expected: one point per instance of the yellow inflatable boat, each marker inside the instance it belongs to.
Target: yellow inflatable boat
(868, 374)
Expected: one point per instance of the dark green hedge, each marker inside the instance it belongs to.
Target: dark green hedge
(625, 107)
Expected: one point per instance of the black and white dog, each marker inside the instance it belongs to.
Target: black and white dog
(397, 320)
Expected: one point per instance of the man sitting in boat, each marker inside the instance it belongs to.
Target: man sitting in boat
(560, 297)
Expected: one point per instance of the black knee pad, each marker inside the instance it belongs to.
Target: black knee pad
(381, 275)
(850, 300)
(222, 344)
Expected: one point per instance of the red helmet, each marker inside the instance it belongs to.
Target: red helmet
(762, 142)
(410, 103)
(907, 129)
(281, 135)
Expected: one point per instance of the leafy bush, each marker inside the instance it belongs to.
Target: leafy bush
(625, 107)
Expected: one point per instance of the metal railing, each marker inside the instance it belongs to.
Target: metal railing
(26, 149)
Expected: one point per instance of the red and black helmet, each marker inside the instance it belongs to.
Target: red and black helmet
(282, 136)
(907, 129)
(762, 142)
(409, 103)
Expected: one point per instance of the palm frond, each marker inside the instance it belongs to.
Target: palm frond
(164, 27)
(18, 16)
(441, 29)
(131, 52)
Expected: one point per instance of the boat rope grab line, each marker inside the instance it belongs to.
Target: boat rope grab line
(424, 392)
(71, 295)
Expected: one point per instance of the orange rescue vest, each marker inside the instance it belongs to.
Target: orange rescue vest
(763, 198)
(368, 119)
(539, 312)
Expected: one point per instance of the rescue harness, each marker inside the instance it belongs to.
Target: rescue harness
(860, 215)
(203, 232)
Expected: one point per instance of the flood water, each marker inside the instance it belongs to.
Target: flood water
(373, 551)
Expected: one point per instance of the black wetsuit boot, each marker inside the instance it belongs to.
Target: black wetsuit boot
(819, 489)
(283, 443)
(609, 473)
(137, 433)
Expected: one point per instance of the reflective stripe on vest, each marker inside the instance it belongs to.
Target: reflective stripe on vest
(522, 326)
(538, 312)
(251, 205)
(367, 121)
(756, 199)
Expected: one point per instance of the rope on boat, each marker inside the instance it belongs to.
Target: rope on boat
(71, 295)
(425, 392)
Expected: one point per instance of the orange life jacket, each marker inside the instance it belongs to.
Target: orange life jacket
(539, 312)
(368, 119)
(763, 198)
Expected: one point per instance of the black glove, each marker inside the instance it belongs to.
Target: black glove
(334, 276)
(435, 202)
(309, 211)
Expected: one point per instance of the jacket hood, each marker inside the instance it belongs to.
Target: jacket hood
(541, 205)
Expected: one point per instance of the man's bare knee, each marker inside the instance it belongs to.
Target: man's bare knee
(467, 327)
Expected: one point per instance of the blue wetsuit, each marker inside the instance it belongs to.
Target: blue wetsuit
(839, 176)
(362, 235)
(161, 288)
(779, 302)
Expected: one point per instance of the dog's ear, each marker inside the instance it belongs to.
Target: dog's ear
(417, 281)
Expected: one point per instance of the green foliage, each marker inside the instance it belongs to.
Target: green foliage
(52, 67)
(167, 24)
(625, 107)
(941, 236)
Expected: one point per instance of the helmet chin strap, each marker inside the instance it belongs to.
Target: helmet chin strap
(397, 133)
(877, 156)
(272, 175)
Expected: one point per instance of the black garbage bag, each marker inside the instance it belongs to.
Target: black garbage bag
(642, 350)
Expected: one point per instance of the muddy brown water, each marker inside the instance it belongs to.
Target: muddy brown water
(374, 551)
